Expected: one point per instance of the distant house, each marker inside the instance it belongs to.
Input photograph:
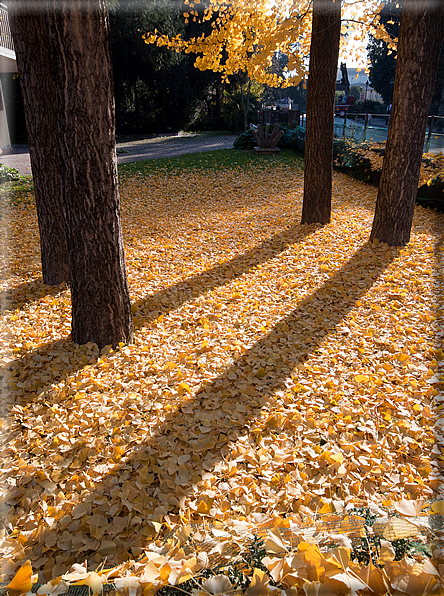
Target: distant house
(7, 64)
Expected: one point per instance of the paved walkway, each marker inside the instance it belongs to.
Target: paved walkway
(153, 148)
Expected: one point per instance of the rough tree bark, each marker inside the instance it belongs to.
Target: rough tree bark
(82, 73)
(33, 64)
(324, 54)
(420, 38)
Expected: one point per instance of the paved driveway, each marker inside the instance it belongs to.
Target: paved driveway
(139, 150)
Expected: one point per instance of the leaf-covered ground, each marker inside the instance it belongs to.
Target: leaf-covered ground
(276, 368)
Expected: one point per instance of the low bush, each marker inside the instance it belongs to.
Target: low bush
(293, 138)
(363, 161)
(431, 192)
(245, 140)
(368, 107)
(8, 174)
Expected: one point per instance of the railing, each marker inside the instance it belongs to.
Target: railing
(5, 31)
(374, 127)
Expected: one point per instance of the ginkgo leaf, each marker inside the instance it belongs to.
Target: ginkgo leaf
(220, 533)
(259, 584)
(274, 543)
(317, 589)
(91, 579)
(54, 587)
(429, 568)
(437, 507)
(150, 573)
(128, 585)
(374, 578)
(386, 552)
(241, 527)
(218, 584)
(22, 580)
(341, 540)
(326, 507)
(203, 560)
(184, 387)
(79, 567)
(313, 555)
(361, 378)
(409, 508)
(349, 579)
(157, 526)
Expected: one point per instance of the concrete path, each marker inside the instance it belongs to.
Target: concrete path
(138, 150)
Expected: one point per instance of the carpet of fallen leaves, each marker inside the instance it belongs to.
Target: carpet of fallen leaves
(277, 370)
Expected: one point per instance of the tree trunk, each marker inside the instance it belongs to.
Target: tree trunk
(33, 63)
(246, 106)
(137, 106)
(81, 67)
(324, 54)
(218, 104)
(420, 38)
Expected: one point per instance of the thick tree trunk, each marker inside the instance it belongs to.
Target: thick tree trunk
(420, 38)
(324, 54)
(34, 66)
(81, 67)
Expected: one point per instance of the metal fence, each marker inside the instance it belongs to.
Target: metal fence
(374, 127)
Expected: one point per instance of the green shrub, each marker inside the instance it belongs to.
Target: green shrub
(245, 141)
(368, 107)
(293, 138)
(363, 161)
(8, 174)
(431, 194)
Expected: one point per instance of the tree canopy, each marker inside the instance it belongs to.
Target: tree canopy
(244, 37)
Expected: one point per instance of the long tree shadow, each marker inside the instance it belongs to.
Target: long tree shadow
(174, 296)
(439, 344)
(24, 369)
(27, 293)
(291, 341)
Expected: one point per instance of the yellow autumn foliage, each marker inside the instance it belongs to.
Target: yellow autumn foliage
(245, 36)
